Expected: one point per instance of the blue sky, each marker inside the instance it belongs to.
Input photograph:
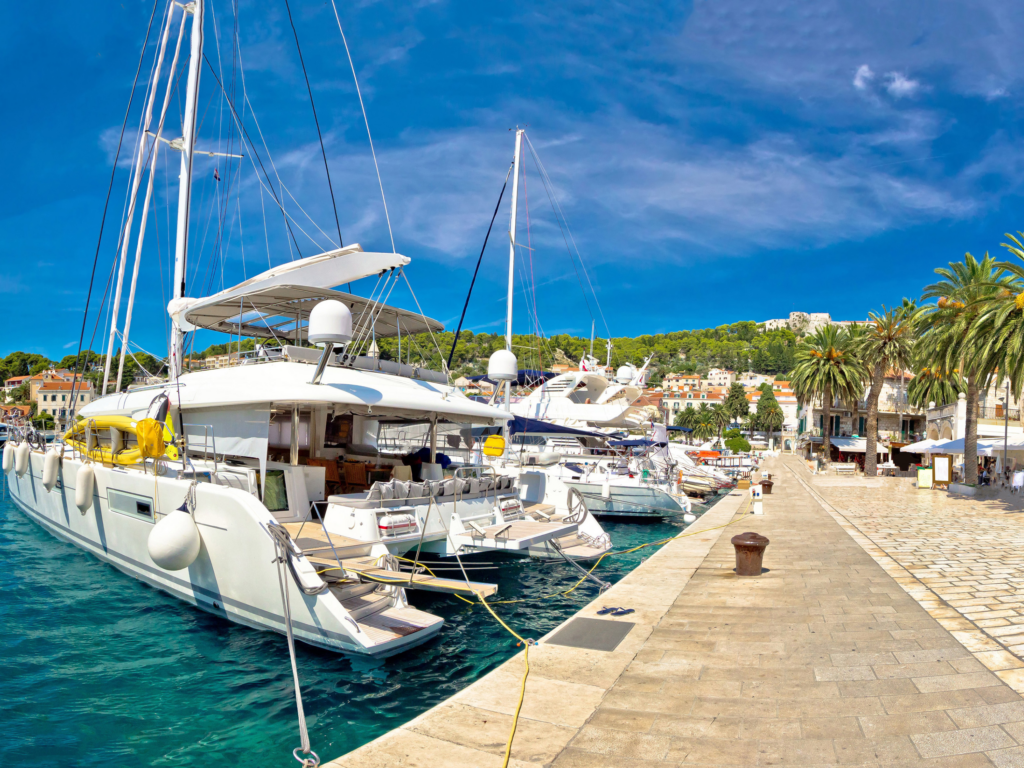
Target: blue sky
(716, 161)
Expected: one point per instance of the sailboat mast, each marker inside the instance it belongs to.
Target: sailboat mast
(185, 176)
(512, 258)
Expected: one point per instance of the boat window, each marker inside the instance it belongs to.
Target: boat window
(528, 439)
(275, 494)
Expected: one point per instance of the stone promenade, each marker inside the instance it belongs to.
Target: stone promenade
(825, 659)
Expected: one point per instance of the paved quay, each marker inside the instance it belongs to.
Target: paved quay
(825, 659)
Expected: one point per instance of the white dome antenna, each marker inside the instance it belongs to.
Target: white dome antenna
(330, 323)
(502, 366)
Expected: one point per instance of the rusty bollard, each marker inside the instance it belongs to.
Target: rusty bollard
(750, 548)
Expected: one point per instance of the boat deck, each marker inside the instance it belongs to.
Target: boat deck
(369, 569)
(515, 534)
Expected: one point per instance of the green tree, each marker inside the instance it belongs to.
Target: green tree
(738, 444)
(886, 344)
(43, 420)
(933, 384)
(736, 403)
(827, 367)
(769, 416)
(22, 394)
(705, 424)
(997, 336)
(949, 334)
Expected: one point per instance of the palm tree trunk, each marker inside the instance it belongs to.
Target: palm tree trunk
(871, 438)
(971, 433)
(826, 433)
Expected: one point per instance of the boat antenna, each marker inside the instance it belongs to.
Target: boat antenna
(319, 135)
(480, 258)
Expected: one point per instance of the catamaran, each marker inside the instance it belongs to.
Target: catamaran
(258, 491)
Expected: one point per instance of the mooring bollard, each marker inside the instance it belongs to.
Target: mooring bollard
(750, 549)
(766, 485)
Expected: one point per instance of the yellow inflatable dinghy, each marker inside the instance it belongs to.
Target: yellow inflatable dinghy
(121, 439)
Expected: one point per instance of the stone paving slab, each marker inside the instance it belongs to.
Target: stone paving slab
(962, 559)
(833, 656)
(565, 686)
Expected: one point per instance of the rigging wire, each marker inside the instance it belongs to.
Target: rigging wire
(341, 243)
(560, 217)
(480, 258)
(252, 146)
(362, 106)
(106, 203)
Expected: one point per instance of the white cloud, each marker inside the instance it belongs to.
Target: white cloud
(863, 77)
(900, 85)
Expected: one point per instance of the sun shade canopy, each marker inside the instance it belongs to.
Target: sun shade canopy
(276, 304)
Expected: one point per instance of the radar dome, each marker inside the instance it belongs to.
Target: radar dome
(503, 366)
(330, 322)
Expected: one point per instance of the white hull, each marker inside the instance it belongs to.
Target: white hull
(234, 575)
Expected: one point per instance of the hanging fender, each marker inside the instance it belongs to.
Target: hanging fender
(51, 468)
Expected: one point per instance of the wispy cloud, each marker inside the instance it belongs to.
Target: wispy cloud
(863, 77)
(900, 86)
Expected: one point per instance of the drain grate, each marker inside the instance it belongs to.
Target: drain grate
(593, 634)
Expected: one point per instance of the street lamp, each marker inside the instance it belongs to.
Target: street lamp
(1006, 424)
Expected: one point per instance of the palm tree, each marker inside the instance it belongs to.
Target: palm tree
(950, 335)
(886, 343)
(721, 417)
(687, 417)
(998, 333)
(704, 425)
(772, 420)
(933, 384)
(827, 367)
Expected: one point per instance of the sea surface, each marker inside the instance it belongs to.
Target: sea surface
(98, 669)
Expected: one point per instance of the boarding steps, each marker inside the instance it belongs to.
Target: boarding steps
(574, 545)
(354, 562)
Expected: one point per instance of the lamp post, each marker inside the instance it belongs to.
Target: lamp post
(1006, 425)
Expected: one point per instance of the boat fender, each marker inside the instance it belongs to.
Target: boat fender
(689, 517)
(84, 486)
(606, 490)
(51, 466)
(8, 457)
(174, 542)
(21, 454)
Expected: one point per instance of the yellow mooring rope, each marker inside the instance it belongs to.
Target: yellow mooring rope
(528, 643)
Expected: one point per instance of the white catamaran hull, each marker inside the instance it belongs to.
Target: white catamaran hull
(234, 575)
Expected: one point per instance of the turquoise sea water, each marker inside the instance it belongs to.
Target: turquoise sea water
(98, 669)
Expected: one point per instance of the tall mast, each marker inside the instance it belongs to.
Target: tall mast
(137, 171)
(512, 259)
(188, 139)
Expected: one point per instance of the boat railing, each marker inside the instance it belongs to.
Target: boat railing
(209, 442)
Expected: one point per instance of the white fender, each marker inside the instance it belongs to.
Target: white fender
(174, 542)
(51, 466)
(689, 517)
(84, 485)
(21, 454)
(8, 457)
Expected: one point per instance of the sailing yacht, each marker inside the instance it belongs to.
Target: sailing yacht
(567, 411)
(258, 491)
